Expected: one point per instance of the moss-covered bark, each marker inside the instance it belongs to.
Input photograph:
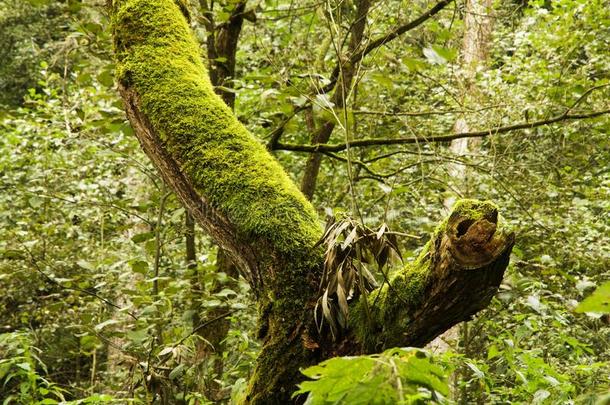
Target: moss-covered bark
(455, 276)
(242, 197)
(159, 59)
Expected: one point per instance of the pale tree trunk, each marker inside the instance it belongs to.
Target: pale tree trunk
(244, 199)
(478, 23)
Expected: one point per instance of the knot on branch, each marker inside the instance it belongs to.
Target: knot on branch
(474, 235)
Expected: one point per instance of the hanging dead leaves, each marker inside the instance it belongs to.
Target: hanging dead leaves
(352, 251)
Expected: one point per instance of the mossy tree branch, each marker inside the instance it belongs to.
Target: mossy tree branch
(194, 138)
(454, 277)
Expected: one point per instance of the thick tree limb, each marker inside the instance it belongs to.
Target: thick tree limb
(193, 138)
(455, 276)
(361, 143)
(213, 221)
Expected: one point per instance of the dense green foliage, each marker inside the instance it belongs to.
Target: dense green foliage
(30, 34)
(396, 376)
(98, 303)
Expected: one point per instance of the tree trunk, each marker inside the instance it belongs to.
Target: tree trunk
(475, 48)
(243, 198)
(339, 98)
(222, 47)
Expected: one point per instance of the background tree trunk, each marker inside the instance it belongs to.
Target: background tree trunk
(478, 22)
(339, 97)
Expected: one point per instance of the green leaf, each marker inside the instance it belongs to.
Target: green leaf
(139, 266)
(445, 53)
(138, 336)
(211, 303)
(373, 379)
(89, 343)
(413, 64)
(106, 78)
(493, 352)
(599, 301)
(36, 202)
(177, 371)
(142, 237)
(222, 16)
(11, 254)
(86, 265)
(383, 79)
(102, 325)
(225, 293)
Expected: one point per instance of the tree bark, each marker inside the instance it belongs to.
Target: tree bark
(475, 48)
(243, 198)
(339, 98)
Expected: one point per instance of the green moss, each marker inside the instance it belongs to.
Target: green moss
(277, 370)
(469, 209)
(158, 56)
(391, 305)
(474, 209)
